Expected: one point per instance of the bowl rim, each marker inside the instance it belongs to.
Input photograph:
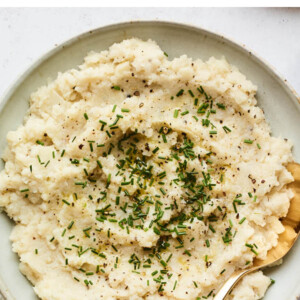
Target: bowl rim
(12, 87)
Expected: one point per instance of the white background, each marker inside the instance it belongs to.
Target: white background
(27, 33)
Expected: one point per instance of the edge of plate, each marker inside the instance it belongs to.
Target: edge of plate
(14, 85)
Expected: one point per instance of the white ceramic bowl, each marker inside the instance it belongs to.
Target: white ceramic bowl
(279, 101)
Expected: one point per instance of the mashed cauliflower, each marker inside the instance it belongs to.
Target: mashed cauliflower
(139, 177)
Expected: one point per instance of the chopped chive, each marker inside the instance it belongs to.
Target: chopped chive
(258, 146)
(248, 141)
(222, 177)
(70, 225)
(175, 113)
(165, 54)
(191, 93)
(226, 129)
(86, 116)
(155, 150)
(39, 142)
(180, 93)
(185, 113)
(65, 201)
(104, 123)
(254, 251)
(99, 164)
(162, 191)
(116, 87)
(125, 110)
(221, 106)
(156, 230)
(242, 220)
(108, 180)
(163, 262)
(211, 228)
(200, 90)
(108, 134)
(170, 256)
(75, 161)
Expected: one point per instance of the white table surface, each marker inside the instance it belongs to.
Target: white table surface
(26, 34)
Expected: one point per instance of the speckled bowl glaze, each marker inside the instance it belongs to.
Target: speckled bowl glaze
(275, 96)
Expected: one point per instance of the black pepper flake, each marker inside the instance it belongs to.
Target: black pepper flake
(208, 264)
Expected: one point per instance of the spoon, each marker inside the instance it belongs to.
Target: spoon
(286, 240)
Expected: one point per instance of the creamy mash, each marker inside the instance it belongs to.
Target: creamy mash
(140, 177)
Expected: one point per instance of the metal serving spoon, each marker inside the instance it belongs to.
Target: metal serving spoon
(286, 240)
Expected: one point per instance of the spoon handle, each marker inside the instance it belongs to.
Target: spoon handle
(230, 283)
